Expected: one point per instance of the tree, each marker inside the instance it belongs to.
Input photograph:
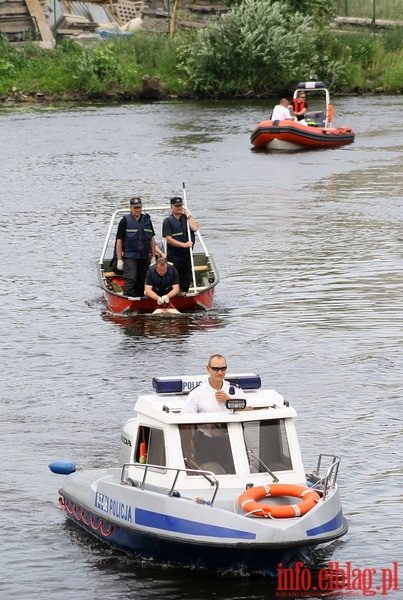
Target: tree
(316, 8)
(255, 50)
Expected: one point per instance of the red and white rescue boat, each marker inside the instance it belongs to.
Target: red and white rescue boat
(315, 131)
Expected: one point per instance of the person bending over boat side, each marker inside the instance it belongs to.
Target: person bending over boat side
(300, 105)
(281, 112)
(176, 232)
(212, 394)
(162, 283)
(135, 244)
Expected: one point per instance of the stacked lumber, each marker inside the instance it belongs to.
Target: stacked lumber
(22, 20)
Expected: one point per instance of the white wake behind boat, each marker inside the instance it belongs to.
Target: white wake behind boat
(238, 499)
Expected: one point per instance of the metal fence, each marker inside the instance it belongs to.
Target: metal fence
(370, 9)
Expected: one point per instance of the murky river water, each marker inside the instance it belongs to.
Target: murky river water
(309, 249)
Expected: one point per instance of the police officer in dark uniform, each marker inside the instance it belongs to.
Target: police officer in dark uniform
(162, 282)
(176, 232)
(135, 244)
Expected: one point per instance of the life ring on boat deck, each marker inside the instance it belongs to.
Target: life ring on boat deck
(248, 500)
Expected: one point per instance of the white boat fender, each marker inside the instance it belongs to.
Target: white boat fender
(62, 467)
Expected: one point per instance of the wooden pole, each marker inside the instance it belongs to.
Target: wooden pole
(172, 29)
(39, 19)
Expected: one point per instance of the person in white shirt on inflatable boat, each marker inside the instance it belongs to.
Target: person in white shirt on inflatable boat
(281, 112)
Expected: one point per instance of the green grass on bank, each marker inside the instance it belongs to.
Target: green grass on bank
(262, 57)
(390, 10)
(110, 67)
(373, 62)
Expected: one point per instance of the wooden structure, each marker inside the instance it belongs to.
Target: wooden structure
(41, 20)
(22, 20)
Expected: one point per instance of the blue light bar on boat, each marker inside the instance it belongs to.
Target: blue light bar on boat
(167, 385)
(310, 85)
(184, 385)
(248, 381)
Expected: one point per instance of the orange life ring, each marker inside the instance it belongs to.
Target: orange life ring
(249, 500)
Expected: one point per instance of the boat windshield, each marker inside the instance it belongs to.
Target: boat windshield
(207, 447)
(267, 446)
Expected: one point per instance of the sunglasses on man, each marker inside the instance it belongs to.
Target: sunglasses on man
(216, 369)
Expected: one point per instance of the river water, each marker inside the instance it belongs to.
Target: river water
(309, 249)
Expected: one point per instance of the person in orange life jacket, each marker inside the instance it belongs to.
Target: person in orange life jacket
(300, 105)
(162, 282)
(135, 244)
(175, 231)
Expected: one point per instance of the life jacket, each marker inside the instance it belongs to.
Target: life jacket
(138, 236)
(297, 105)
(179, 232)
(162, 285)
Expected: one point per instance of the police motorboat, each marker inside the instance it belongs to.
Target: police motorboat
(224, 491)
(314, 131)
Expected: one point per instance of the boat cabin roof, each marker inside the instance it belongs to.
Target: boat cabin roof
(165, 405)
(241, 445)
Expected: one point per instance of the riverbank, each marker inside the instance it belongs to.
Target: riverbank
(151, 90)
(151, 65)
(141, 95)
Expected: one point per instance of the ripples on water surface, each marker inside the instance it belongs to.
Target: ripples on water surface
(309, 249)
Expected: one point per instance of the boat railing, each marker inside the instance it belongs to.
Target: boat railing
(150, 209)
(208, 475)
(108, 235)
(329, 480)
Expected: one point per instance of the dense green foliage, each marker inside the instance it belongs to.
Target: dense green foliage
(381, 9)
(110, 67)
(315, 8)
(254, 50)
(305, 7)
(251, 51)
(373, 61)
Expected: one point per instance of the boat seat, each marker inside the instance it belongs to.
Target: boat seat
(108, 274)
(113, 286)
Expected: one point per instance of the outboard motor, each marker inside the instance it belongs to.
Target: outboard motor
(126, 444)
